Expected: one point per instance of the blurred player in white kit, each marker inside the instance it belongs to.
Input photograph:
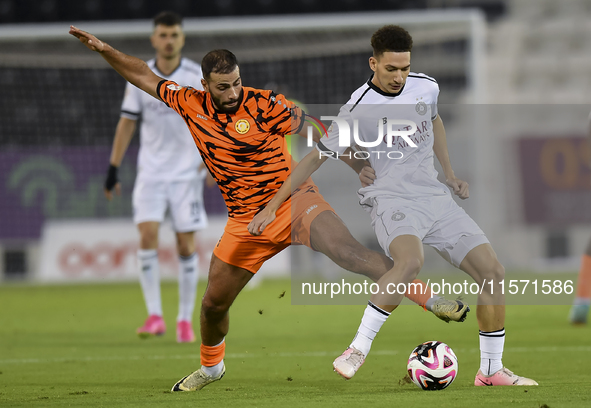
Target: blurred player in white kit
(170, 175)
(579, 312)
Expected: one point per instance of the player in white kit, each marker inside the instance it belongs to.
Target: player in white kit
(408, 205)
(169, 175)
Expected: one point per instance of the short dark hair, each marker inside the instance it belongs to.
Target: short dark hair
(168, 18)
(219, 62)
(390, 38)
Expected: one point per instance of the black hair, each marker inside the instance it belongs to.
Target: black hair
(219, 62)
(168, 18)
(390, 38)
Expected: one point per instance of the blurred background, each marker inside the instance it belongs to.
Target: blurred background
(515, 81)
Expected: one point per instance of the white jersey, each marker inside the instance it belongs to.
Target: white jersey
(167, 150)
(402, 171)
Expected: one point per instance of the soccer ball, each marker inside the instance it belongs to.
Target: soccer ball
(432, 366)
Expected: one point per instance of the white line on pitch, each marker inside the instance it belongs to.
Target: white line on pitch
(268, 355)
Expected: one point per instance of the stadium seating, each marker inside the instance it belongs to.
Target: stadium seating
(540, 53)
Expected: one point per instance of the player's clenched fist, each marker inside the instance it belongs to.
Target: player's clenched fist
(367, 176)
(87, 39)
(459, 187)
(260, 222)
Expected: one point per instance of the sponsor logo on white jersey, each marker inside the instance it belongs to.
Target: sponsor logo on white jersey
(421, 108)
(398, 216)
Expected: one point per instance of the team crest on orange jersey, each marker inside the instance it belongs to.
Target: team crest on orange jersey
(242, 126)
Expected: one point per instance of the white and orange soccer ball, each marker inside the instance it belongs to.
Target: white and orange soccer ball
(432, 365)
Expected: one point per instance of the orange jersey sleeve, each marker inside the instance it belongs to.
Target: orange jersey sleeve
(175, 96)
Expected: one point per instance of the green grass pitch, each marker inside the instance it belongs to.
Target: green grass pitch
(76, 346)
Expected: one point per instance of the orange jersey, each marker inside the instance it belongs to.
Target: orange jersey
(244, 151)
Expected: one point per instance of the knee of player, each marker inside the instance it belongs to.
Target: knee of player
(495, 272)
(185, 248)
(148, 239)
(410, 266)
(213, 307)
(185, 242)
(492, 272)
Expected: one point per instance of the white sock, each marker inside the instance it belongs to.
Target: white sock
(188, 276)
(215, 370)
(429, 303)
(491, 351)
(150, 280)
(582, 301)
(371, 323)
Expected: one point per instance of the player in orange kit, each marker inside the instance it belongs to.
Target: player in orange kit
(580, 308)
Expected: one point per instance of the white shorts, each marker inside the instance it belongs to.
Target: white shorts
(437, 221)
(183, 198)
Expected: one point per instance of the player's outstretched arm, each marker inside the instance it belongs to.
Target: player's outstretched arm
(299, 174)
(133, 69)
(459, 187)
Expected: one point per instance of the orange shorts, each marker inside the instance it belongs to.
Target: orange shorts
(291, 226)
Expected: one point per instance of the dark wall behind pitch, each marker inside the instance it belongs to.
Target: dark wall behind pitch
(30, 11)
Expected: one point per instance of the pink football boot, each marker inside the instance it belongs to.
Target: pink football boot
(184, 332)
(502, 377)
(348, 363)
(154, 326)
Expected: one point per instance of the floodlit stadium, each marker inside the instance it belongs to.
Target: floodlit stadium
(78, 271)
